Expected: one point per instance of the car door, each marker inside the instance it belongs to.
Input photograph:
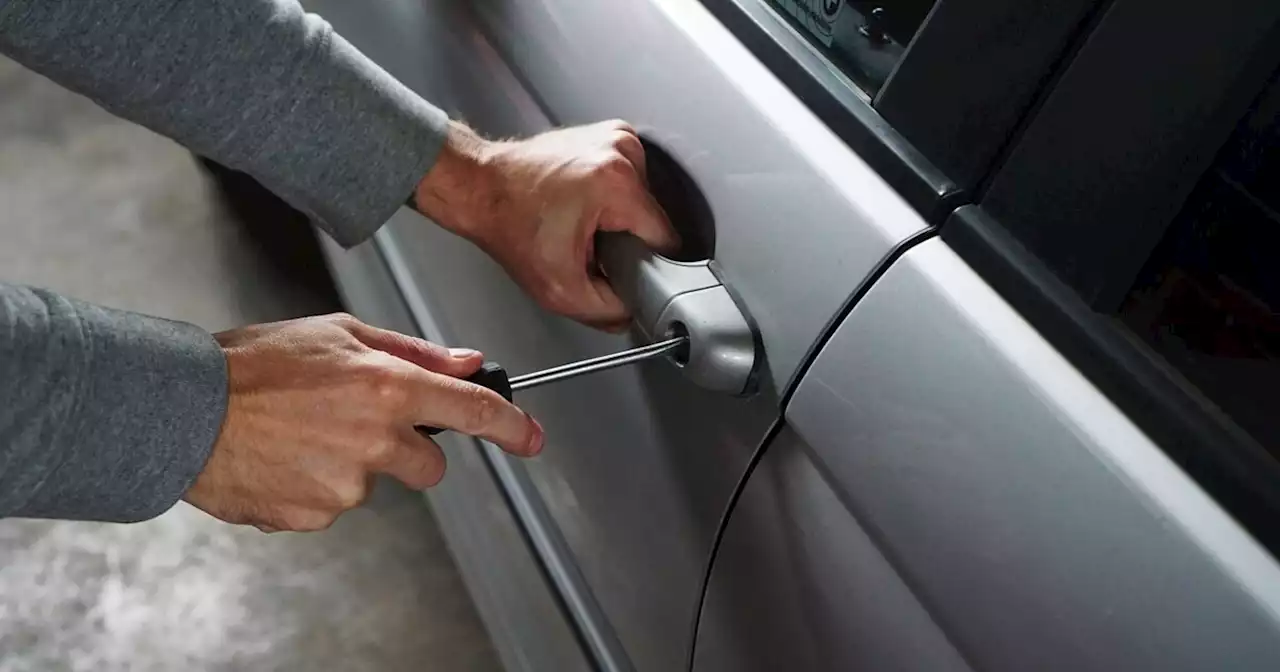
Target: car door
(801, 135)
(640, 463)
(1046, 439)
(809, 191)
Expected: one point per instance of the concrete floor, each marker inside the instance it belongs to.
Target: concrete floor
(99, 209)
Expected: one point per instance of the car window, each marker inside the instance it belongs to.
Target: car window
(1134, 223)
(1208, 298)
(863, 39)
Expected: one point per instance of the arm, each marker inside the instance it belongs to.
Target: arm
(107, 415)
(257, 85)
(113, 416)
(104, 415)
(262, 87)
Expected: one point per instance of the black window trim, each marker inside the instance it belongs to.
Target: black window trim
(964, 128)
(972, 74)
(1231, 466)
(840, 105)
(1093, 128)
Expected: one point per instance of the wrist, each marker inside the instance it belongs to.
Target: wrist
(462, 186)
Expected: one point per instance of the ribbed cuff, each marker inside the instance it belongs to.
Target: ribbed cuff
(148, 401)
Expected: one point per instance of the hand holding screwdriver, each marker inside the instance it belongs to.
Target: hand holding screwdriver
(295, 452)
(318, 406)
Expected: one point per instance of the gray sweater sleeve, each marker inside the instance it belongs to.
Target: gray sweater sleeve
(257, 85)
(106, 415)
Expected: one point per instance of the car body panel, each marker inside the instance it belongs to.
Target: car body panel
(799, 585)
(640, 463)
(1038, 525)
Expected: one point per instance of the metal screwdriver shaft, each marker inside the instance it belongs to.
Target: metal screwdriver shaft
(494, 377)
(586, 366)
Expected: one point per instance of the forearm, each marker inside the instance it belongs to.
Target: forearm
(104, 415)
(257, 85)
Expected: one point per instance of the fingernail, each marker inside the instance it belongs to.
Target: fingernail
(462, 353)
(539, 437)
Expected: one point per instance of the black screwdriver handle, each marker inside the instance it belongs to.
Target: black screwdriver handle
(492, 376)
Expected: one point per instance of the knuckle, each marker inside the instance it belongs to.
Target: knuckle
(320, 523)
(342, 319)
(350, 494)
(551, 304)
(379, 452)
(373, 365)
(554, 295)
(623, 140)
(386, 387)
(390, 392)
(612, 167)
(482, 409)
(288, 520)
(307, 520)
(272, 517)
(238, 515)
(620, 125)
(619, 166)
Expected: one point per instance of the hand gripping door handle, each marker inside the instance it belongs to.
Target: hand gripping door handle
(671, 298)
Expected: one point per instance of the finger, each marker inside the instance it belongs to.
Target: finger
(459, 362)
(611, 327)
(452, 403)
(594, 304)
(297, 519)
(620, 125)
(630, 147)
(417, 461)
(639, 213)
(608, 308)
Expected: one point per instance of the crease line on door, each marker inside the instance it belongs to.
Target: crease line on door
(901, 248)
(568, 586)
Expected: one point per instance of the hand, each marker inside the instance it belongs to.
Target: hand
(535, 206)
(320, 405)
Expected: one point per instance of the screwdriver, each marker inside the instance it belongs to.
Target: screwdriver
(494, 377)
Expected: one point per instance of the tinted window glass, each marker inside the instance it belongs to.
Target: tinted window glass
(864, 39)
(1208, 299)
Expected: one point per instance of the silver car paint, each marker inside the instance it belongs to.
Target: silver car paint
(798, 584)
(640, 463)
(527, 624)
(1040, 527)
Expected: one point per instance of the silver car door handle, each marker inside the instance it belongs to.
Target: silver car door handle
(672, 298)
